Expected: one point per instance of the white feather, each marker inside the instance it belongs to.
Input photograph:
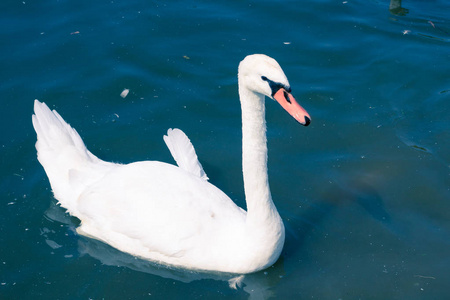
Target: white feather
(183, 152)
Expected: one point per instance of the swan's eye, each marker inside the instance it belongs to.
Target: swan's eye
(274, 86)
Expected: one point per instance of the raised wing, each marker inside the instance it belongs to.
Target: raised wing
(183, 152)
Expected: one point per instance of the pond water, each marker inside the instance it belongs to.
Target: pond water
(364, 191)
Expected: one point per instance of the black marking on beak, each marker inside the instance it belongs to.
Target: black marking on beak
(275, 86)
(307, 121)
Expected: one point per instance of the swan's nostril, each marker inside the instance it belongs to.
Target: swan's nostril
(307, 121)
(286, 96)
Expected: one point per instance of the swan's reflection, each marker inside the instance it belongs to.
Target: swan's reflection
(258, 285)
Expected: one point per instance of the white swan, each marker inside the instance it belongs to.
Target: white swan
(173, 215)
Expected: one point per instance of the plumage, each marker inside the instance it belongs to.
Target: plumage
(183, 152)
(171, 214)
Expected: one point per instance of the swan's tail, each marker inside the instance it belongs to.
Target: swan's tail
(66, 160)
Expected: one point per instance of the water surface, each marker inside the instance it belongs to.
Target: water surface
(363, 191)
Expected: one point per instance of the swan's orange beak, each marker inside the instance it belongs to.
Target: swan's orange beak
(288, 102)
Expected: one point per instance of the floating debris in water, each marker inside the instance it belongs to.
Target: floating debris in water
(75, 32)
(406, 31)
(124, 93)
(419, 148)
(53, 244)
(427, 277)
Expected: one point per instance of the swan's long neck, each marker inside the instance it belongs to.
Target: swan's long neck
(260, 207)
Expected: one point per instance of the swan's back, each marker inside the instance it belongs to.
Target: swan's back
(177, 222)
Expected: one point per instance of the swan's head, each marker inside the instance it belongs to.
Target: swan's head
(263, 75)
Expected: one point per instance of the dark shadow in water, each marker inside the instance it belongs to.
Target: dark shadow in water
(395, 8)
(356, 191)
(360, 192)
(343, 192)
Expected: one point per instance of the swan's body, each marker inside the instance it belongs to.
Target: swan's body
(169, 214)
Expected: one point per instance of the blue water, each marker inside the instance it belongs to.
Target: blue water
(364, 191)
